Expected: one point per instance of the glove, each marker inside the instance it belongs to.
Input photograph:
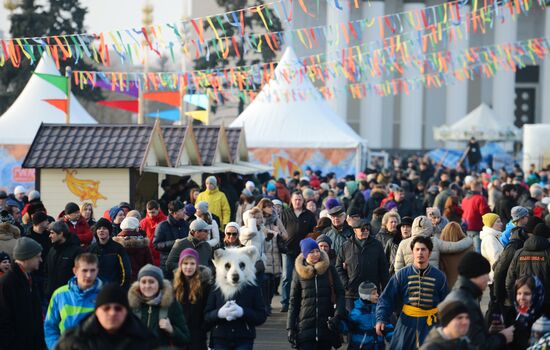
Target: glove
(237, 311)
(223, 312)
(292, 338)
(333, 323)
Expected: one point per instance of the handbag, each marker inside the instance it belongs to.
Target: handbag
(281, 244)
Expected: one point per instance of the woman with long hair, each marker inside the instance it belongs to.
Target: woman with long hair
(246, 202)
(87, 212)
(453, 211)
(192, 285)
(448, 262)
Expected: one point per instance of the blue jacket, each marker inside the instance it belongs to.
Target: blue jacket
(362, 325)
(505, 237)
(68, 306)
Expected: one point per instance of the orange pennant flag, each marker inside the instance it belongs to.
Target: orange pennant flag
(172, 98)
(60, 104)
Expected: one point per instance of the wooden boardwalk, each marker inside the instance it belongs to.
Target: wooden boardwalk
(272, 334)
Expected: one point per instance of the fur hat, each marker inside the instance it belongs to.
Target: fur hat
(519, 212)
(542, 230)
(202, 206)
(489, 219)
(102, 222)
(324, 238)
(129, 224)
(71, 208)
(365, 290)
(450, 310)
(422, 226)
(473, 265)
(152, 271)
(26, 248)
(112, 293)
(211, 180)
(307, 245)
(189, 252)
(39, 217)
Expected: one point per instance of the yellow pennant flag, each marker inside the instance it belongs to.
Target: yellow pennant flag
(199, 115)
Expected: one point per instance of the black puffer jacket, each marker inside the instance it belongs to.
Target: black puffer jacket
(310, 299)
(114, 263)
(532, 260)
(517, 239)
(297, 228)
(166, 234)
(469, 294)
(362, 261)
(60, 263)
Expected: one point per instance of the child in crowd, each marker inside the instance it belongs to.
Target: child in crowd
(529, 295)
(362, 321)
(5, 263)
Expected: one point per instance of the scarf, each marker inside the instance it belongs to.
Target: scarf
(150, 301)
(525, 318)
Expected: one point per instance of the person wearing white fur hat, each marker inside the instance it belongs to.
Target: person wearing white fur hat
(135, 244)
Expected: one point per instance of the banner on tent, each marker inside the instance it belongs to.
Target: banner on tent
(341, 161)
(11, 173)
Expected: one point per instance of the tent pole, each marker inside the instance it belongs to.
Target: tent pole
(68, 111)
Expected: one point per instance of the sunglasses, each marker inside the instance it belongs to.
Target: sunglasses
(234, 234)
(114, 307)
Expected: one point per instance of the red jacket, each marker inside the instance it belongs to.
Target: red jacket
(282, 193)
(149, 225)
(474, 206)
(81, 230)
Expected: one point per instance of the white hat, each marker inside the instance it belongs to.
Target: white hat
(18, 190)
(129, 224)
(250, 185)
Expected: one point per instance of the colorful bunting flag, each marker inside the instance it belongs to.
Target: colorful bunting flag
(58, 81)
(172, 98)
(126, 105)
(61, 104)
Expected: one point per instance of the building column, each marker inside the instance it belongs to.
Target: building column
(339, 103)
(545, 77)
(412, 105)
(504, 82)
(456, 97)
(370, 117)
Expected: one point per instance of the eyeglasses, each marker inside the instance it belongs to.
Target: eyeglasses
(114, 307)
(234, 234)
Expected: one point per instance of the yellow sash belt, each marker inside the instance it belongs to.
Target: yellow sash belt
(414, 311)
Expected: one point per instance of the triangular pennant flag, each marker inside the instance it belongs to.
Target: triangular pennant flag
(199, 115)
(126, 105)
(170, 114)
(56, 80)
(60, 104)
(169, 97)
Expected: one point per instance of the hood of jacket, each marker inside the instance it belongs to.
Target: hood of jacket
(212, 192)
(135, 299)
(73, 287)
(488, 232)
(536, 243)
(131, 240)
(8, 231)
(518, 233)
(307, 271)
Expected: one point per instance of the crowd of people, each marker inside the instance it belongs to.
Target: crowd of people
(400, 258)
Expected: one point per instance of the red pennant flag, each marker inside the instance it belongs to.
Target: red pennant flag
(60, 104)
(171, 98)
(126, 105)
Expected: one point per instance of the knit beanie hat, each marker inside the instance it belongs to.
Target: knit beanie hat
(112, 293)
(247, 193)
(5, 216)
(211, 180)
(189, 209)
(39, 217)
(473, 265)
(34, 194)
(542, 230)
(104, 223)
(422, 226)
(114, 211)
(489, 219)
(189, 252)
(18, 190)
(324, 238)
(270, 187)
(450, 310)
(129, 224)
(71, 208)
(202, 206)
(250, 186)
(307, 245)
(365, 289)
(152, 271)
(331, 203)
(532, 222)
(4, 256)
(519, 212)
(26, 248)
(232, 224)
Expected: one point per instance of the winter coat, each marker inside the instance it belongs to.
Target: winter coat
(80, 229)
(8, 237)
(68, 306)
(150, 314)
(20, 313)
(44, 240)
(297, 228)
(357, 204)
(503, 208)
(166, 234)
(241, 209)
(217, 204)
(490, 245)
(437, 341)
(202, 247)
(404, 257)
(273, 262)
(59, 265)
(214, 237)
(149, 226)
(506, 234)
(469, 294)
(194, 313)
(441, 199)
(474, 206)
(137, 248)
(311, 303)
(114, 263)
(374, 202)
(448, 263)
(90, 335)
(534, 260)
(390, 250)
(339, 236)
(360, 261)
(383, 236)
(282, 193)
(250, 235)
(362, 326)
(500, 268)
(231, 333)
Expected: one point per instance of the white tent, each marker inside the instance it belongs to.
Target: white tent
(20, 122)
(481, 123)
(310, 123)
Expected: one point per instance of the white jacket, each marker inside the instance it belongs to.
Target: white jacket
(490, 245)
(249, 235)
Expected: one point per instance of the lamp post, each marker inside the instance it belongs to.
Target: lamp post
(146, 20)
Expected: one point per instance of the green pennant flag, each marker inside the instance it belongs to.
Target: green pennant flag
(58, 81)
